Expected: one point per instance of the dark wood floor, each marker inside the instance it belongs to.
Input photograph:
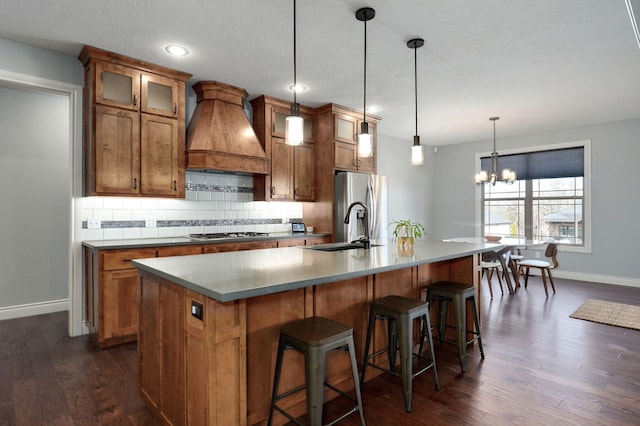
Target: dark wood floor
(541, 368)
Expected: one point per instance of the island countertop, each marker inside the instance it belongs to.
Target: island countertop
(238, 275)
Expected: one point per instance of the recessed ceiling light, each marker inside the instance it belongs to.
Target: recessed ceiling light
(373, 109)
(299, 88)
(176, 50)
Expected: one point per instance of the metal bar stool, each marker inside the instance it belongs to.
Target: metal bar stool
(460, 295)
(400, 312)
(315, 336)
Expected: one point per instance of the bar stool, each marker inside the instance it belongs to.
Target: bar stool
(400, 313)
(314, 337)
(460, 295)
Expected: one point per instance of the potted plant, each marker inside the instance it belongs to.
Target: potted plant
(406, 230)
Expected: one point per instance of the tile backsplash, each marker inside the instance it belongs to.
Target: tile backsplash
(214, 202)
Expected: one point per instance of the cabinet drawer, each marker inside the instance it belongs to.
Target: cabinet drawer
(121, 259)
(179, 251)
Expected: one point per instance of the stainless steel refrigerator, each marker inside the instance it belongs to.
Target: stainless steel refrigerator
(370, 190)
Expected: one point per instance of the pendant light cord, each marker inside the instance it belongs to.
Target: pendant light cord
(364, 109)
(295, 81)
(415, 82)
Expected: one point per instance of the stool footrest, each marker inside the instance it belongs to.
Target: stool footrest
(397, 373)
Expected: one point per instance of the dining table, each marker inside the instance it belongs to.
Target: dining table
(502, 253)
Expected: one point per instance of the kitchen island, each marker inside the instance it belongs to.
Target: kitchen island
(209, 324)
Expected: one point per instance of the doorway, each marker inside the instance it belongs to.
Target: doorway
(39, 254)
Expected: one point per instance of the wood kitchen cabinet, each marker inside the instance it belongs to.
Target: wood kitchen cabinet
(111, 305)
(346, 126)
(239, 246)
(291, 176)
(134, 129)
(110, 290)
(308, 241)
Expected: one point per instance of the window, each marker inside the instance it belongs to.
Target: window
(549, 199)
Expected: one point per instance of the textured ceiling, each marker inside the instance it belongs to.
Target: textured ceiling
(539, 65)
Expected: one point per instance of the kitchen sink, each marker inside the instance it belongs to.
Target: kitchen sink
(339, 246)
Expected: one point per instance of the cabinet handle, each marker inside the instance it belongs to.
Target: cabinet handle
(273, 127)
(135, 183)
(175, 108)
(175, 185)
(135, 99)
(273, 191)
(296, 192)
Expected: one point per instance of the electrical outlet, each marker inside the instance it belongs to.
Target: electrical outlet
(150, 223)
(93, 223)
(196, 310)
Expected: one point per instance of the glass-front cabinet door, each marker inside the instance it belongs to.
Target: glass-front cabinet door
(117, 86)
(159, 95)
(279, 120)
(345, 128)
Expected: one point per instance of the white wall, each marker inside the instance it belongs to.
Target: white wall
(411, 188)
(615, 200)
(36, 197)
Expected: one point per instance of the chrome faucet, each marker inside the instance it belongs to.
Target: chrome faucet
(365, 240)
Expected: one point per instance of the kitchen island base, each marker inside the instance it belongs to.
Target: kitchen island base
(208, 362)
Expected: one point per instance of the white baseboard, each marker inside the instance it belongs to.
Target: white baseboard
(596, 278)
(31, 309)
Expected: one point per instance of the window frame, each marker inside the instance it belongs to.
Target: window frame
(586, 144)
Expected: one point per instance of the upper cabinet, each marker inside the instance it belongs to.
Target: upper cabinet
(343, 126)
(291, 176)
(134, 129)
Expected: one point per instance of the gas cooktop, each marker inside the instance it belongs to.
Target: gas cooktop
(222, 235)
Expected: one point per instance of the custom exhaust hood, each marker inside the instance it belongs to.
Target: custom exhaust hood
(219, 135)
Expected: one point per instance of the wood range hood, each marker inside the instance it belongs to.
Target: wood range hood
(219, 135)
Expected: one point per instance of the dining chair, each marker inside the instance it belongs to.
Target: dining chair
(516, 257)
(491, 264)
(545, 266)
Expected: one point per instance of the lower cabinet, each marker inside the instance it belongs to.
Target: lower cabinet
(111, 311)
(111, 305)
(296, 242)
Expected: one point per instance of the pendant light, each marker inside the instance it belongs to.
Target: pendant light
(294, 128)
(506, 175)
(417, 150)
(365, 143)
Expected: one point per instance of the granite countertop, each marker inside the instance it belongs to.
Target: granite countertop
(185, 240)
(244, 274)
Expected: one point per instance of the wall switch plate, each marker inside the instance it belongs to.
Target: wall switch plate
(150, 223)
(93, 223)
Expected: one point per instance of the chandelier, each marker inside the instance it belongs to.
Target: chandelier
(493, 176)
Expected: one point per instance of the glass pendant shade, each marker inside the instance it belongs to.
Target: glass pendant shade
(417, 152)
(293, 132)
(365, 141)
